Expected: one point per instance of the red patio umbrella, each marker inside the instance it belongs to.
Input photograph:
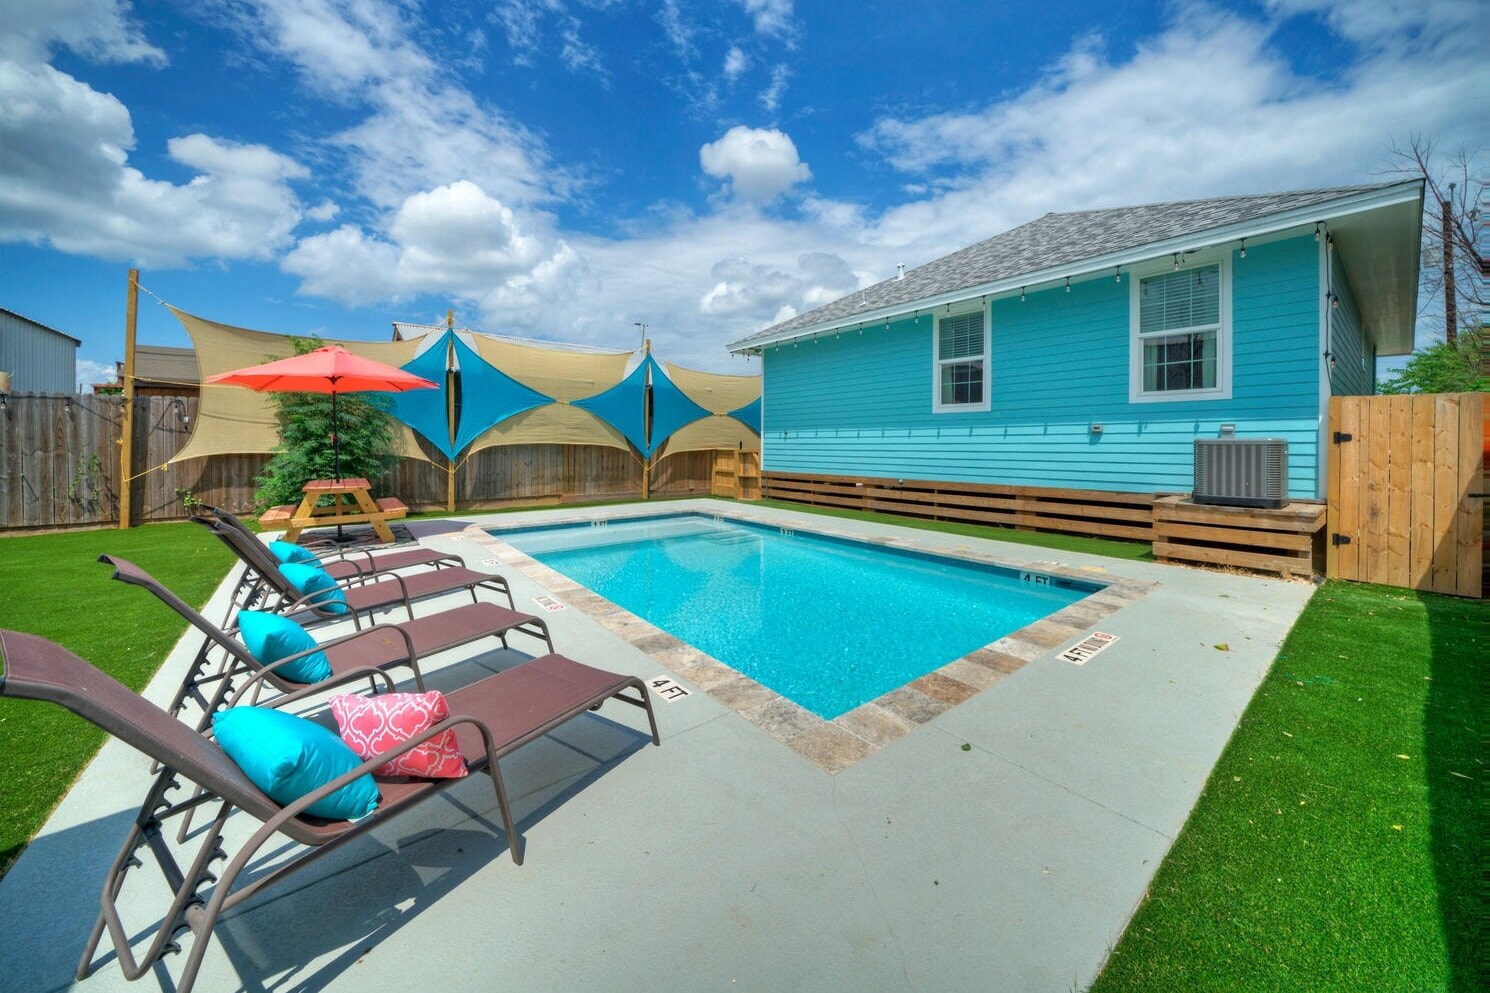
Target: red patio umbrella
(331, 369)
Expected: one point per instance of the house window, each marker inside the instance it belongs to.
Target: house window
(961, 362)
(1181, 334)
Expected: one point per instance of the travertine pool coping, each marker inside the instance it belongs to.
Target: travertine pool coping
(837, 744)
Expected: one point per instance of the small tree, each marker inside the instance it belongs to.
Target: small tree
(1452, 279)
(1456, 366)
(306, 451)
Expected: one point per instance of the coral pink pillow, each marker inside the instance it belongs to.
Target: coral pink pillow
(372, 725)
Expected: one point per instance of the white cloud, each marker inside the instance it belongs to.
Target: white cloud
(86, 372)
(677, 29)
(771, 17)
(771, 95)
(454, 240)
(346, 265)
(99, 30)
(1207, 107)
(524, 21)
(64, 159)
(323, 212)
(421, 129)
(760, 164)
(735, 62)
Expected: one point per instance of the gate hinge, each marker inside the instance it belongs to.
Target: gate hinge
(1343, 436)
(1339, 539)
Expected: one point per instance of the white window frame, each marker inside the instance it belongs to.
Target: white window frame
(937, 407)
(1222, 389)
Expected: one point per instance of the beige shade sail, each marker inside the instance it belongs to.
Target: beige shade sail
(708, 433)
(555, 372)
(232, 420)
(715, 392)
(552, 424)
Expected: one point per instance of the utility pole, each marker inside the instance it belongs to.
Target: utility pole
(126, 438)
(1450, 310)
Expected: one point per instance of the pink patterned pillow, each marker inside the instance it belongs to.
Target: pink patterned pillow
(372, 725)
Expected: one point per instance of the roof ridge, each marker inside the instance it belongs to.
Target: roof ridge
(1231, 197)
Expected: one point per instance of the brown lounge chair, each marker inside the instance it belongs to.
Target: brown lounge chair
(495, 716)
(366, 652)
(350, 563)
(265, 582)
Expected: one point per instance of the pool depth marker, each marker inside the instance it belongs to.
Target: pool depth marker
(1088, 648)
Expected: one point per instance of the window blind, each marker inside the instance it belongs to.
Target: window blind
(1185, 299)
(960, 337)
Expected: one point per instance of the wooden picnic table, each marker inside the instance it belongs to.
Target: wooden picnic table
(351, 503)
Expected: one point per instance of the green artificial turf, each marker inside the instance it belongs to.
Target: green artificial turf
(1339, 844)
(53, 586)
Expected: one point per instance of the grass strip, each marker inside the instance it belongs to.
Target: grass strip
(54, 587)
(1339, 842)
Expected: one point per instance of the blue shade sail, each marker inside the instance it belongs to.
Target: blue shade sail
(624, 406)
(671, 408)
(426, 410)
(749, 415)
(488, 396)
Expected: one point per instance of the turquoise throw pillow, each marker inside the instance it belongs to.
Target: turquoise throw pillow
(308, 579)
(287, 756)
(270, 637)
(288, 551)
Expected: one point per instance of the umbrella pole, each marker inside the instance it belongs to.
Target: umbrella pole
(336, 456)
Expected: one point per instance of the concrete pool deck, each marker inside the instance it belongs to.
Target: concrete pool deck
(1002, 844)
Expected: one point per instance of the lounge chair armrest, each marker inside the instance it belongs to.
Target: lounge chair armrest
(360, 672)
(312, 689)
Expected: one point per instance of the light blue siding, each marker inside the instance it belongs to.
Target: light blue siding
(1354, 369)
(860, 403)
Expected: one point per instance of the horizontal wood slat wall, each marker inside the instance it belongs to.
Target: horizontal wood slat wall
(1287, 541)
(1284, 542)
(59, 467)
(1095, 513)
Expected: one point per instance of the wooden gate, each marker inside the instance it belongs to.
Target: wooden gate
(1406, 491)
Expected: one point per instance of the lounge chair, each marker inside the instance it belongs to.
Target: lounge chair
(379, 648)
(266, 582)
(350, 563)
(496, 716)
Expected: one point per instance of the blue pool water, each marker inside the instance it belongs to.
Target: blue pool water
(826, 622)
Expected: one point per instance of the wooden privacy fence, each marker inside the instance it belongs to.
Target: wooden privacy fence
(59, 467)
(1406, 491)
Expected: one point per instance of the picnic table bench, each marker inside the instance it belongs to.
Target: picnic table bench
(351, 503)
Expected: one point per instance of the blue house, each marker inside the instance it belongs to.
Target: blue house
(1089, 350)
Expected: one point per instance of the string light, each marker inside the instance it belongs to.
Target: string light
(1244, 248)
(1068, 284)
(1317, 226)
(1021, 294)
(1176, 260)
(1117, 274)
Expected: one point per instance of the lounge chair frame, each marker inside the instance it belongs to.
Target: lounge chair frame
(492, 718)
(210, 681)
(264, 587)
(348, 563)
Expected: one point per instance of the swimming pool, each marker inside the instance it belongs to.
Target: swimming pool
(826, 622)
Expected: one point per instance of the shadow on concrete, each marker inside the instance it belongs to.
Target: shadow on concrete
(342, 907)
(1453, 722)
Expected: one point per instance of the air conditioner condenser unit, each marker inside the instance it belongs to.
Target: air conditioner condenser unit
(1241, 472)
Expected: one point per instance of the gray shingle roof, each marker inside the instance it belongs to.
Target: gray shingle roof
(1056, 240)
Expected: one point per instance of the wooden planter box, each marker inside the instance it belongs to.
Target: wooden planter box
(1288, 541)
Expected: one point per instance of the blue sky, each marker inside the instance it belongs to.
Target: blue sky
(562, 169)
